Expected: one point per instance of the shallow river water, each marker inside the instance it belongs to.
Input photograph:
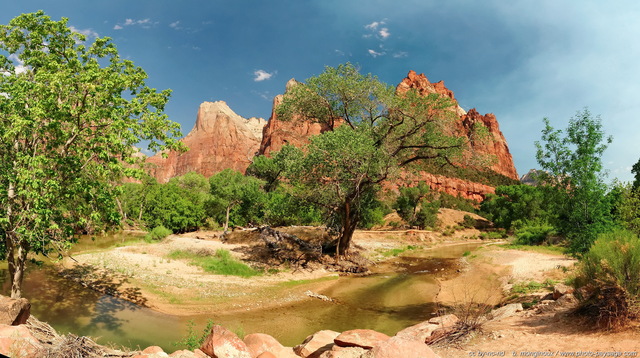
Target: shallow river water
(386, 302)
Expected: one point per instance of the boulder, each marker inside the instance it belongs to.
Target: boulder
(14, 311)
(222, 343)
(364, 338)
(285, 352)
(344, 352)
(315, 344)
(560, 289)
(266, 355)
(183, 354)
(445, 321)
(17, 341)
(153, 350)
(398, 347)
(506, 311)
(418, 332)
(258, 343)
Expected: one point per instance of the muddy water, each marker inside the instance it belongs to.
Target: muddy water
(400, 295)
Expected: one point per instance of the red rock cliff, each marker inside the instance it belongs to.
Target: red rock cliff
(493, 147)
(219, 140)
(277, 133)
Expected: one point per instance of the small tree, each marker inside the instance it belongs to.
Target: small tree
(70, 115)
(576, 178)
(231, 189)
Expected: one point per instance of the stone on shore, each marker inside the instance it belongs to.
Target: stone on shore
(506, 311)
(17, 341)
(222, 343)
(560, 289)
(344, 352)
(14, 311)
(363, 338)
(315, 344)
(258, 343)
(418, 332)
(398, 347)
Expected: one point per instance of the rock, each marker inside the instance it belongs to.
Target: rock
(506, 311)
(315, 344)
(153, 350)
(222, 343)
(258, 343)
(364, 338)
(297, 131)
(344, 352)
(183, 354)
(285, 352)
(567, 300)
(560, 289)
(220, 139)
(200, 354)
(398, 347)
(17, 341)
(418, 332)
(266, 355)
(445, 321)
(14, 311)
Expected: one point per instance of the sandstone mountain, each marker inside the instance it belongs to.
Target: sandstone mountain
(219, 140)
(222, 139)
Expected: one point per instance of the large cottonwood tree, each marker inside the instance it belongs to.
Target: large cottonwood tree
(70, 115)
(376, 132)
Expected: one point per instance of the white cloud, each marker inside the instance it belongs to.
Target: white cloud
(175, 25)
(89, 33)
(384, 33)
(401, 54)
(374, 25)
(144, 23)
(262, 75)
(376, 53)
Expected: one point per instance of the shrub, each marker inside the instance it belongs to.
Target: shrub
(193, 340)
(611, 272)
(534, 234)
(158, 233)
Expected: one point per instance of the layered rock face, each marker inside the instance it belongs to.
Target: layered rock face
(495, 146)
(296, 131)
(219, 140)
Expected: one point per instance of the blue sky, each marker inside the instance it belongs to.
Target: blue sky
(521, 60)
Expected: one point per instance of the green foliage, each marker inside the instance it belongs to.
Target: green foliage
(468, 222)
(70, 117)
(611, 269)
(174, 207)
(194, 340)
(222, 263)
(455, 202)
(577, 192)
(378, 132)
(513, 203)
(400, 250)
(414, 207)
(628, 208)
(236, 199)
(158, 233)
(526, 287)
(534, 234)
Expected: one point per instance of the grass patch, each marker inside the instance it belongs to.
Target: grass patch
(543, 249)
(220, 263)
(398, 251)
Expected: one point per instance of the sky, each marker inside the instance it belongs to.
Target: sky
(521, 60)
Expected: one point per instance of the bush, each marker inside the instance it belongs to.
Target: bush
(158, 233)
(534, 234)
(611, 272)
(220, 263)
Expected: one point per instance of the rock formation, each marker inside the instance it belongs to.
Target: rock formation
(495, 146)
(296, 132)
(219, 140)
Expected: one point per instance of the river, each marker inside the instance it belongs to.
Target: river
(386, 302)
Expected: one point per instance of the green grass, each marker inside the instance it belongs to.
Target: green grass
(220, 263)
(398, 251)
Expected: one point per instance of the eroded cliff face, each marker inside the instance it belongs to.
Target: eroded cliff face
(493, 147)
(296, 131)
(219, 140)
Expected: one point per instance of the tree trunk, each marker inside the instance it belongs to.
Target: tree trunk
(226, 223)
(18, 274)
(350, 222)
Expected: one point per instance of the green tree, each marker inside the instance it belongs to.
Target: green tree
(576, 179)
(413, 206)
(70, 115)
(244, 195)
(516, 204)
(377, 131)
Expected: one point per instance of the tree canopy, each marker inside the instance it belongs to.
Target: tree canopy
(70, 115)
(376, 131)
